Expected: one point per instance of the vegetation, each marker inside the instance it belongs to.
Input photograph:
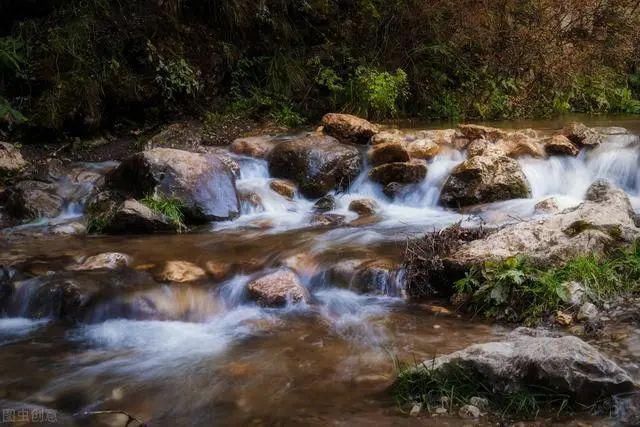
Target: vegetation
(171, 208)
(80, 65)
(518, 291)
(454, 386)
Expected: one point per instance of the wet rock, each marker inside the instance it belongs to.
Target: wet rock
(202, 183)
(415, 410)
(442, 136)
(318, 164)
(180, 272)
(479, 402)
(546, 206)
(604, 220)
(325, 204)
(251, 200)
(106, 261)
(485, 179)
(388, 152)
(57, 299)
(29, 200)
(565, 365)
(375, 277)
(469, 411)
(254, 146)
(588, 313)
(72, 228)
(404, 173)
(11, 161)
(348, 128)
(582, 135)
(218, 270)
(473, 132)
(276, 289)
(560, 145)
(283, 187)
(422, 149)
(131, 217)
(364, 207)
(184, 136)
(326, 220)
(394, 136)
(392, 189)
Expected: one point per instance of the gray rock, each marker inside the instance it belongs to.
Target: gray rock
(564, 365)
(202, 183)
(469, 411)
(29, 200)
(582, 135)
(603, 220)
(132, 217)
(348, 128)
(588, 313)
(318, 164)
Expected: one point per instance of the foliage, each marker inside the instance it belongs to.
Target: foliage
(174, 77)
(377, 94)
(171, 208)
(454, 386)
(517, 290)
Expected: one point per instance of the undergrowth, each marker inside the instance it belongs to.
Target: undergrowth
(517, 290)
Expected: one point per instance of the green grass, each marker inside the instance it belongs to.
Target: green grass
(518, 291)
(453, 386)
(171, 208)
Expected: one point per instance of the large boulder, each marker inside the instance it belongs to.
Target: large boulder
(484, 179)
(29, 200)
(581, 135)
(11, 160)
(563, 365)
(364, 207)
(422, 149)
(318, 164)
(348, 128)
(604, 220)
(202, 183)
(519, 144)
(181, 135)
(401, 172)
(278, 288)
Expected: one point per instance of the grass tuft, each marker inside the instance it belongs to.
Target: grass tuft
(171, 208)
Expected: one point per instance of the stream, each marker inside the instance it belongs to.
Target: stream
(204, 354)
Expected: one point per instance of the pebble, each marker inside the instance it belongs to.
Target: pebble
(415, 411)
(469, 411)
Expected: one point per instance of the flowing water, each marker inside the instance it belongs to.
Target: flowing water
(203, 354)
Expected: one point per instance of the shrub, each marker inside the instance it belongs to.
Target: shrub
(377, 94)
(172, 209)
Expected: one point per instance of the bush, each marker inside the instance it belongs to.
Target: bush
(377, 94)
(172, 209)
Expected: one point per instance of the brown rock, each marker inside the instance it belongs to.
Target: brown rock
(363, 207)
(283, 187)
(549, 205)
(389, 152)
(404, 172)
(582, 135)
(348, 128)
(29, 200)
(255, 146)
(182, 135)
(472, 132)
(11, 160)
(326, 220)
(423, 149)
(218, 270)
(181, 272)
(394, 136)
(560, 144)
(276, 289)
